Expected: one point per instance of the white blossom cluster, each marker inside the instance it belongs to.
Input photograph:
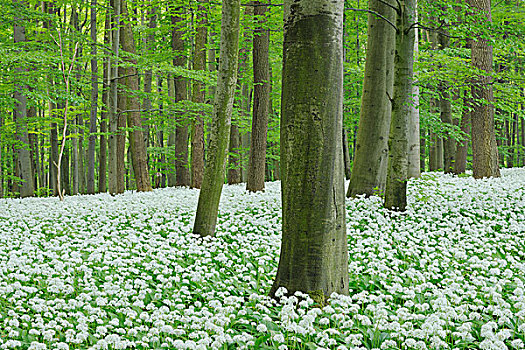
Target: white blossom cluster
(125, 272)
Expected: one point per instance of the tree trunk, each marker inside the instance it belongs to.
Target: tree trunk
(27, 188)
(113, 98)
(314, 249)
(422, 150)
(199, 96)
(397, 174)
(148, 74)
(414, 143)
(90, 188)
(346, 155)
(234, 171)
(103, 161)
(171, 159)
(136, 136)
(261, 100)
(210, 194)
(460, 164)
(484, 148)
(371, 151)
(449, 144)
(182, 171)
(122, 103)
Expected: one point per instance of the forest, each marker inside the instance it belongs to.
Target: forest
(268, 174)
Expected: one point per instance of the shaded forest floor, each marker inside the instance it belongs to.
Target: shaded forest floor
(103, 272)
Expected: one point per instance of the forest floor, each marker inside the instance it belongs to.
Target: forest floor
(103, 272)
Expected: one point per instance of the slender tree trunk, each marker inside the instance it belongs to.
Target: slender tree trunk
(422, 150)
(234, 171)
(148, 74)
(462, 146)
(371, 151)
(136, 137)
(346, 154)
(122, 104)
(484, 148)
(397, 175)
(199, 96)
(27, 188)
(171, 159)
(314, 248)
(182, 171)
(210, 194)
(103, 160)
(261, 100)
(90, 188)
(449, 144)
(414, 143)
(113, 98)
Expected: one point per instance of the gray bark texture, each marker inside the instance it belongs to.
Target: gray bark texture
(113, 115)
(94, 102)
(460, 164)
(261, 100)
(23, 158)
(214, 173)
(371, 152)
(314, 248)
(484, 149)
(414, 146)
(182, 171)
(199, 96)
(397, 175)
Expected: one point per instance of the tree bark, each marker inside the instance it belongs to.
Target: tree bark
(139, 155)
(314, 248)
(414, 145)
(261, 100)
(371, 151)
(102, 178)
(90, 185)
(346, 154)
(199, 96)
(27, 188)
(460, 164)
(397, 174)
(210, 194)
(182, 171)
(113, 177)
(484, 148)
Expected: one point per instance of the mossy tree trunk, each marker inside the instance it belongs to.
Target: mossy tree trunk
(397, 175)
(214, 173)
(371, 151)
(314, 249)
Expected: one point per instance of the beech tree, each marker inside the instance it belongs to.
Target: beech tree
(314, 248)
(397, 175)
(370, 163)
(215, 170)
(484, 149)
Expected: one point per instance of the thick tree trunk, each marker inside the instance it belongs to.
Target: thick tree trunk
(371, 151)
(122, 103)
(148, 74)
(182, 171)
(199, 96)
(210, 194)
(484, 148)
(139, 155)
(314, 249)
(397, 174)
(27, 188)
(261, 100)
